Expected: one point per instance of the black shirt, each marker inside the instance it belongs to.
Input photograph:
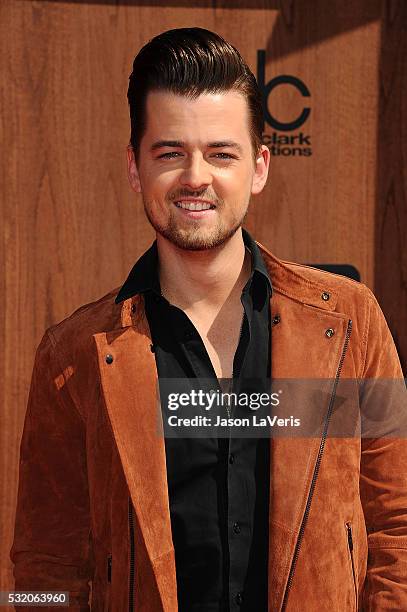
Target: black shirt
(218, 487)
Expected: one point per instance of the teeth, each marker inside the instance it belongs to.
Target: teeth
(194, 205)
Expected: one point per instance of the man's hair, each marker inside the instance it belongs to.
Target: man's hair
(189, 62)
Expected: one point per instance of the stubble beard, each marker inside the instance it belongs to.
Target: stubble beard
(194, 237)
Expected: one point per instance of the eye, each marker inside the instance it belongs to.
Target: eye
(228, 156)
(171, 154)
(167, 155)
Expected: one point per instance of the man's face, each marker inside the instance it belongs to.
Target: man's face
(196, 171)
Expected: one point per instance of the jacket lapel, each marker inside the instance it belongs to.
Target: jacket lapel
(300, 351)
(129, 385)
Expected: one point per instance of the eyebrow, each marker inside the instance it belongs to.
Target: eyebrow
(212, 145)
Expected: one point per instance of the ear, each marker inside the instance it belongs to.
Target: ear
(132, 171)
(261, 169)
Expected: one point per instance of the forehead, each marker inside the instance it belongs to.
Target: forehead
(207, 117)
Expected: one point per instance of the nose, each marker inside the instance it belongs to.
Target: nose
(196, 173)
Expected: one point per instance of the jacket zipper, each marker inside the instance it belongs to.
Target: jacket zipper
(350, 545)
(316, 469)
(131, 575)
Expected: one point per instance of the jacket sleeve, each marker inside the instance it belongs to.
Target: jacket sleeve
(383, 470)
(52, 549)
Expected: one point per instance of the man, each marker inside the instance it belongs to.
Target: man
(207, 523)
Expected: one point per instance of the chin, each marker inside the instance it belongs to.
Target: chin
(198, 240)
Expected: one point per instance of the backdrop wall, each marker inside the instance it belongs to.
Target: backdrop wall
(72, 228)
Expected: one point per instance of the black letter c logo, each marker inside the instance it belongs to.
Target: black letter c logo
(265, 91)
(290, 80)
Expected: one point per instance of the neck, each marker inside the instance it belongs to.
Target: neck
(203, 280)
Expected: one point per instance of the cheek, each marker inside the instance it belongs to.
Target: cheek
(157, 186)
(234, 188)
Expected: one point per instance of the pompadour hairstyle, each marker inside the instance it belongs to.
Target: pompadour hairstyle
(189, 62)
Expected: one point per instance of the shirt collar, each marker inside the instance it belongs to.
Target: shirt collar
(258, 266)
(144, 274)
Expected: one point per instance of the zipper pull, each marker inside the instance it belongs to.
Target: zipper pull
(109, 568)
(350, 541)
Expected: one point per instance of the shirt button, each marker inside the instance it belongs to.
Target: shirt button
(109, 358)
(237, 528)
(231, 458)
(239, 598)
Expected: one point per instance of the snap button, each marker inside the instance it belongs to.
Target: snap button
(276, 319)
(239, 598)
(325, 295)
(109, 358)
(133, 308)
(329, 332)
(237, 528)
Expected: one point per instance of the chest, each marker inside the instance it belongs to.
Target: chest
(221, 338)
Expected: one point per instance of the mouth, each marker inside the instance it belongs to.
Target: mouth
(194, 205)
(195, 209)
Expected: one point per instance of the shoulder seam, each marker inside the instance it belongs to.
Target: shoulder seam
(82, 310)
(328, 272)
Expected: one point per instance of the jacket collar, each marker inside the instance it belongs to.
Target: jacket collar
(288, 279)
(285, 277)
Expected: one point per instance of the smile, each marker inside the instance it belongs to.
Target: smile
(198, 206)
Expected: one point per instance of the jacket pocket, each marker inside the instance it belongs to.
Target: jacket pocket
(349, 536)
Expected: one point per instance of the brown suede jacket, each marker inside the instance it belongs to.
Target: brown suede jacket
(93, 512)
